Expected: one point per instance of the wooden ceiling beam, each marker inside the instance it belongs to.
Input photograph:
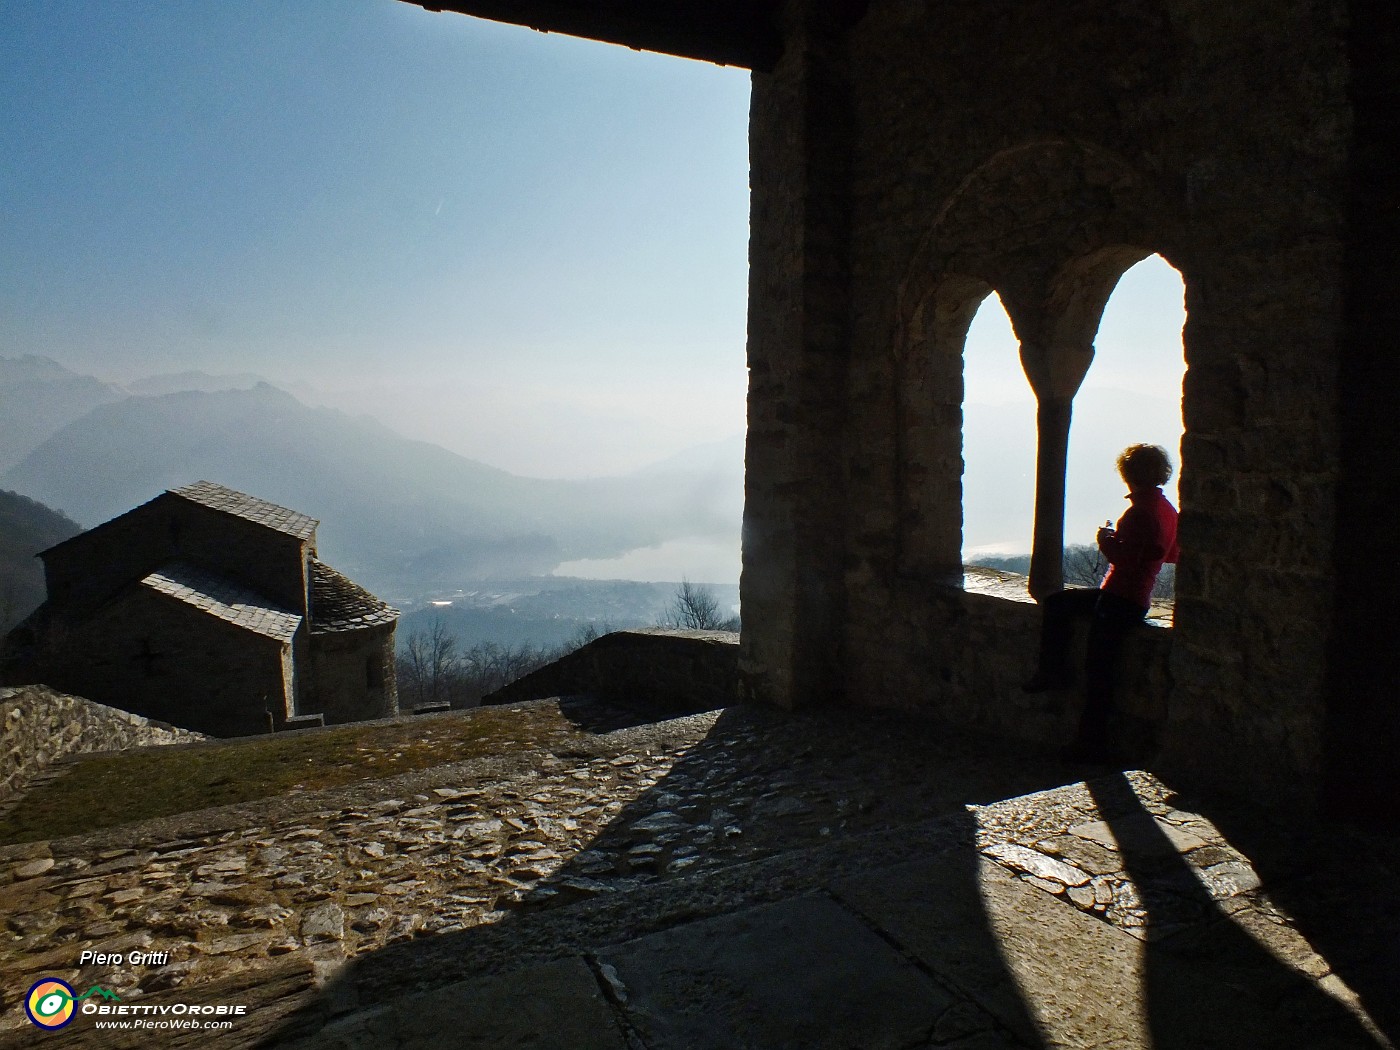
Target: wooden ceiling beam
(727, 32)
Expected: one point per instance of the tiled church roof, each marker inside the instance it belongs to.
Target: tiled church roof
(221, 597)
(249, 508)
(339, 604)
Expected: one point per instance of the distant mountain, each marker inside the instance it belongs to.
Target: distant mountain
(178, 382)
(26, 528)
(717, 458)
(396, 514)
(38, 397)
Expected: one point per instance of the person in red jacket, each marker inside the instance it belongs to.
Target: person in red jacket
(1136, 549)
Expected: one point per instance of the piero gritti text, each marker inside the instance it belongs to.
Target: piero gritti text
(137, 958)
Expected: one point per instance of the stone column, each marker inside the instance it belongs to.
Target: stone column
(1055, 372)
(1362, 734)
(1052, 419)
(794, 513)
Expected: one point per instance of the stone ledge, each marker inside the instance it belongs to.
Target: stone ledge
(661, 670)
(997, 640)
(39, 726)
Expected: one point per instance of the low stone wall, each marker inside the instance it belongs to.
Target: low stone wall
(670, 672)
(39, 725)
(906, 664)
(1006, 636)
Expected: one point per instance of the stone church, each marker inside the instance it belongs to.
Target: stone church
(908, 158)
(207, 608)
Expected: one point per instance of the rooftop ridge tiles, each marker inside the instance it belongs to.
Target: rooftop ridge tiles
(263, 512)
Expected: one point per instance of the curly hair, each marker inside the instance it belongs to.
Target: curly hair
(1143, 466)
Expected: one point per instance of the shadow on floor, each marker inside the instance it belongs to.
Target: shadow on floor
(1207, 982)
(740, 901)
(765, 789)
(1337, 883)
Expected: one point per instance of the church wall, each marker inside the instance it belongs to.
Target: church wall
(148, 654)
(97, 563)
(352, 676)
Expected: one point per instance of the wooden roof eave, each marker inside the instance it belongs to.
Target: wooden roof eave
(728, 32)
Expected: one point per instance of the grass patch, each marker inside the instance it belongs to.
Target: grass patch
(160, 782)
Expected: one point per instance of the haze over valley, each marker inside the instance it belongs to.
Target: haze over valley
(419, 524)
(404, 517)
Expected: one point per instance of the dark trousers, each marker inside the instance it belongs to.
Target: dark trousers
(1110, 619)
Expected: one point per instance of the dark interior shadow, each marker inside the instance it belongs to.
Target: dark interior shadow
(601, 716)
(760, 784)
(1208, 982)
(1338, 883)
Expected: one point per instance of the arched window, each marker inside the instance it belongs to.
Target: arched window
(998, 444)
(1131, 393)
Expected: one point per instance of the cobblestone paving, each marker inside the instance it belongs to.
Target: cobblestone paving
(642, 806)
(1184, 872)
(707, 790)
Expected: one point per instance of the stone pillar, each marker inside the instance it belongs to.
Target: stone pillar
(1055, 372)
(1052, 419)
(791, 588)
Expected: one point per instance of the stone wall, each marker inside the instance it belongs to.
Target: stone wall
(972, 672)
(154, 656)
(352, 676)
(39, 726)
(1364, 665)
(666, 671)
(96, 564)
(904, 167)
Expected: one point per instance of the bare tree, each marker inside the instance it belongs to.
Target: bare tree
(431, 663)
(1084, 566)
(696, 608)
(434, 669)
(1165, 587)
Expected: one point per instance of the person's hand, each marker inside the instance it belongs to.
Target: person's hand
(1105, 533)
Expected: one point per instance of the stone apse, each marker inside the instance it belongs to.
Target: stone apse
(908, 158)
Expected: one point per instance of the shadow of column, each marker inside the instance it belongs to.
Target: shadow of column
(1337, 882)
(827, 806)
(1208, 981)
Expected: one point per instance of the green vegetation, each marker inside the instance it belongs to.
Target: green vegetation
(158, 782)
(26, 528)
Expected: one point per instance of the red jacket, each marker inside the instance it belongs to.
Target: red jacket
(1144, 539)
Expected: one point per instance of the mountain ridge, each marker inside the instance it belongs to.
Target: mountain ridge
(396, 513)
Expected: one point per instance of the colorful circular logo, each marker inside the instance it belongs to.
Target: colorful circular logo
(49, 1003)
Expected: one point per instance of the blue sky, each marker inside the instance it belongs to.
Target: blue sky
(455, 222)
(528, 248)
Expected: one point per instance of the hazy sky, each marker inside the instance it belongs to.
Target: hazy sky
(528, 248)
(465, 227)
(1131, 394)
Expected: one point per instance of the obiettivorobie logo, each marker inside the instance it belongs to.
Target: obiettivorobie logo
(51, 1003)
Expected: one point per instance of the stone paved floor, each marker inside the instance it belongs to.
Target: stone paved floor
(333, 915)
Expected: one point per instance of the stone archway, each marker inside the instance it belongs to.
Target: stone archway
(1051, 226)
